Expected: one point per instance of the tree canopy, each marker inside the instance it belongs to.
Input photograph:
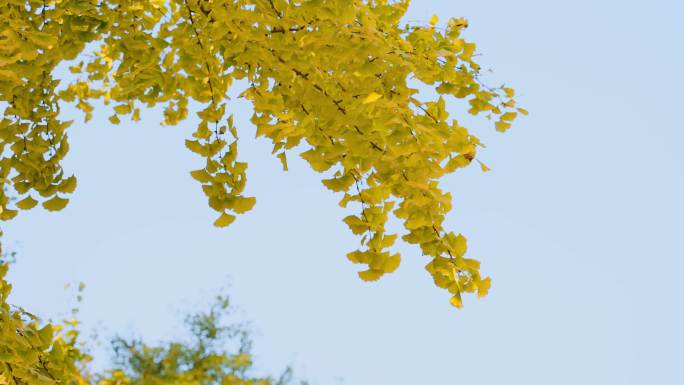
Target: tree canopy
(331, 78)
(218, 351)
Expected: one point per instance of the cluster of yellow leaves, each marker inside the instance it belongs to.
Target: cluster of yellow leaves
(331, 75)
(31, 353)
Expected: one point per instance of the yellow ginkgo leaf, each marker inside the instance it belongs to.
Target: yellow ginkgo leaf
(68, 185)
(283, 160)
(196, 147)
(45, 334)
(484, 167)
(373, 96)
(502, 126)
(456, 300)
(392, 263)
(508, 116)
(483, 286)
(201, 175)
(8, 214)
(370, 275)
(224, 220)
(27, 203)
(243, 204)
(55, 204)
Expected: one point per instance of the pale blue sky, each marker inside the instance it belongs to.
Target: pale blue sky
(579, 224)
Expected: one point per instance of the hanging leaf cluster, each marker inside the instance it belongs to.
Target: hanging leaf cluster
(331, 77)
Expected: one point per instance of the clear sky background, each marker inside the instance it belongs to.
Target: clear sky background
(579, 224)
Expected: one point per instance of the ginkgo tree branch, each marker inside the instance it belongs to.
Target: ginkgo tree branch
(332, 76)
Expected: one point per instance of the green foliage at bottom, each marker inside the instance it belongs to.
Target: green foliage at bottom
(217, 352)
